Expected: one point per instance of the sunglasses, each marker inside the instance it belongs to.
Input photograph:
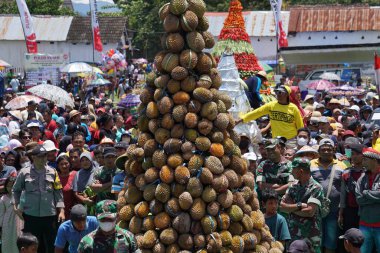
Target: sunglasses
(279, 92)
(26, 137)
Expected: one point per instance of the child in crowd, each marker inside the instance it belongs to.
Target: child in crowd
(10, 224)
(276, 222)
(27, 243)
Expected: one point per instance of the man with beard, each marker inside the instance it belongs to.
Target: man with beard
(42, 201)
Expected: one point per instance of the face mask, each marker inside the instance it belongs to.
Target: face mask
(302, 141)
(107, 226)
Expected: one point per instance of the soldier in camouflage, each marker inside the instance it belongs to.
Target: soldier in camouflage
(302, 202)
(275, 172)
(108, 238)
(102, 181)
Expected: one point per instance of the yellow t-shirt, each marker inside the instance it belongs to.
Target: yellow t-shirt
(285, 119)
(376, 146)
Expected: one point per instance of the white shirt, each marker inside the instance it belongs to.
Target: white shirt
(15, 84)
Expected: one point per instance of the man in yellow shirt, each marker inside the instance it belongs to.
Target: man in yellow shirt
(285, 118)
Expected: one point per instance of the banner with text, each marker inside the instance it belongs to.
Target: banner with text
(26, 20)
(40, 68)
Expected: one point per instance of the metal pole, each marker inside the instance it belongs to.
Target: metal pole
(92, 34)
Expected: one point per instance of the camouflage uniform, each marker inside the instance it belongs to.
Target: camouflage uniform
(274, 173)
(121, 241)
(105, 175)
(304, 227)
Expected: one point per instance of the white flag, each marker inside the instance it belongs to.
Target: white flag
(26, 20)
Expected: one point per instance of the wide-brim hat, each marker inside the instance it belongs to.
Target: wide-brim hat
(74, 113)
(262, 74)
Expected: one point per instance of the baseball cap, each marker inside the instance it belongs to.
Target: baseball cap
(15, 144)
(271, 143)
(109, 151)
(299, 246)
(354, 236)
(301, 162)
(106, 209)
(250, 156)
(326, 141)
(283, 88)
(49, 146)
(354, 107)
(358, 148)
(38, 150)
(32, 102)
(78, 212)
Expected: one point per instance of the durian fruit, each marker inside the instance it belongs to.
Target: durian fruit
(168, 236)
(189, 189)
(258, 219)
(189, 21)
(188, 59)
(177, 7)
(171, 24)
(169, 62)
(195, 41)
(173, 42)
(198, 7)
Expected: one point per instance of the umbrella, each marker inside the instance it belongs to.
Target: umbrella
(130, 100)
(346, 90)
(4, 64)
(21, 102)
(76, 67)
(266, 67)
(320, 85)
(16, 114)
(330, 76)
(53, 93)
(95, 70)
(99, 82)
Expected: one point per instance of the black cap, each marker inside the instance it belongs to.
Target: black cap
(109, 151)
(32, 102)
(299, 246)
(358, 148)
(122, 144)
(354, 236)
(38, 150)
(78, 212)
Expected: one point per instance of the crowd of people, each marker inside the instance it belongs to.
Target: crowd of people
(317, 172)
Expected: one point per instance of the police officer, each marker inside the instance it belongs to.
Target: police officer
(109, 237)
(43, 199)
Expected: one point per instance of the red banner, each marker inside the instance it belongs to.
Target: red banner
(26, 20)
(98, 45)
(377, 69)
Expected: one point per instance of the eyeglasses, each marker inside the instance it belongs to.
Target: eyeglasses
(26, 137)
(279, 92)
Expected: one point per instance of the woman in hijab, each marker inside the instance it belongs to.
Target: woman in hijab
(295, 98)
(61, 128)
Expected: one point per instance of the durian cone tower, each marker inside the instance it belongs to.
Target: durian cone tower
(188, 188)
(234, 38)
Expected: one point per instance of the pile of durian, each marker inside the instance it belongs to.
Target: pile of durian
(188, 188)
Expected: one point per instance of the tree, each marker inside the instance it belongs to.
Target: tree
(37, 7)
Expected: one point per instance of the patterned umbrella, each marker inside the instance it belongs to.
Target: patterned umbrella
(346, 90)
(320, 85)
(53, 93)
(21, 102)
(129, 101)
